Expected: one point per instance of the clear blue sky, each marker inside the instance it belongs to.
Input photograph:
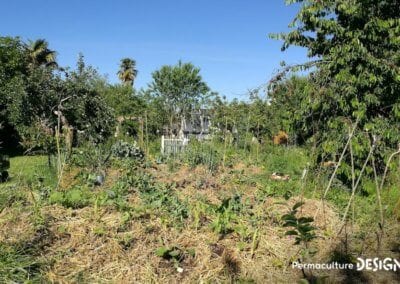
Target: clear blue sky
(228, 40)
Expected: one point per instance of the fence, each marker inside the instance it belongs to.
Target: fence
(173, 146)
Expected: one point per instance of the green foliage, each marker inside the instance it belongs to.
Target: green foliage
(203, 154)
(91, 156)
(128, 72)
(77, 197)
(174, 253)
(32, 89)
(123, 149)
(356, 74)
(40, 54)
(10, 196)
(301, 227)
(287, 160)
(159, 196)
(18, 266)
(129, 104)
(117, 196)
(179, 90)
(226, 215)
(84, 108)
(239, 121)
(292, 101)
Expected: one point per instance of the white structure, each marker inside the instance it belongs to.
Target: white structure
(173, 145)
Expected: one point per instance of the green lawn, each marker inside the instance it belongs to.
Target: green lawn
(30, 169)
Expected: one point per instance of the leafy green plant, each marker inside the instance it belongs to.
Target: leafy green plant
(226, 214)
(9, 195)
(159, 196)
(123, 149)
(174, 253)
(91, 156)
(302, 227)
(164, 198)
(73, 198)
(303, 231)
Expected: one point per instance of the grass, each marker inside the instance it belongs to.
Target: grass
(29, 169)
(150, 224)
(18, 266)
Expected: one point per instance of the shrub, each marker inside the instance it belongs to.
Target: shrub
(301, 227)
(123, 149)
(90, 155)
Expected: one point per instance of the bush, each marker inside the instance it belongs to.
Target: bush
(123, 149)
(90, 155)
(159, 196)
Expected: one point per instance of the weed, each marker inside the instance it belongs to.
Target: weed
(199, 212)
(226, 215)
(9, 195)
(175, 254)
(203, 154)
(77, 197)
(126, 241)
(18, 266)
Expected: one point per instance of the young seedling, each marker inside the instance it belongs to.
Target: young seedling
(302, 229)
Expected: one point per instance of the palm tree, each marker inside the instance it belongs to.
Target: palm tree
(127, 72)
(41, 55)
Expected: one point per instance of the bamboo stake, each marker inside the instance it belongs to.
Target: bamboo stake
(340, 159)
(225, 138)
(356, 185)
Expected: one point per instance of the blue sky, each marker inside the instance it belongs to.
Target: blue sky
(228, 40)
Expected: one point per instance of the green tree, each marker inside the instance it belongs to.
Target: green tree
(291, 102)
(32, 96)
(127, 104)
(354, 46)
(84, 107)
(127, 72)
(181, 88)
(13, 69)
(40, 54)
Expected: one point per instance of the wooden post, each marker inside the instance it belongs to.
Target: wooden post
(226, 128)
(162, 144)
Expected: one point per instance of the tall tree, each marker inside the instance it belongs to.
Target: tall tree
(127, 72)
(355, 47)
(181, 89)
(40, 54)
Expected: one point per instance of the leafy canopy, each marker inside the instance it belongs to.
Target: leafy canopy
(181, 87)
(354, 46)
